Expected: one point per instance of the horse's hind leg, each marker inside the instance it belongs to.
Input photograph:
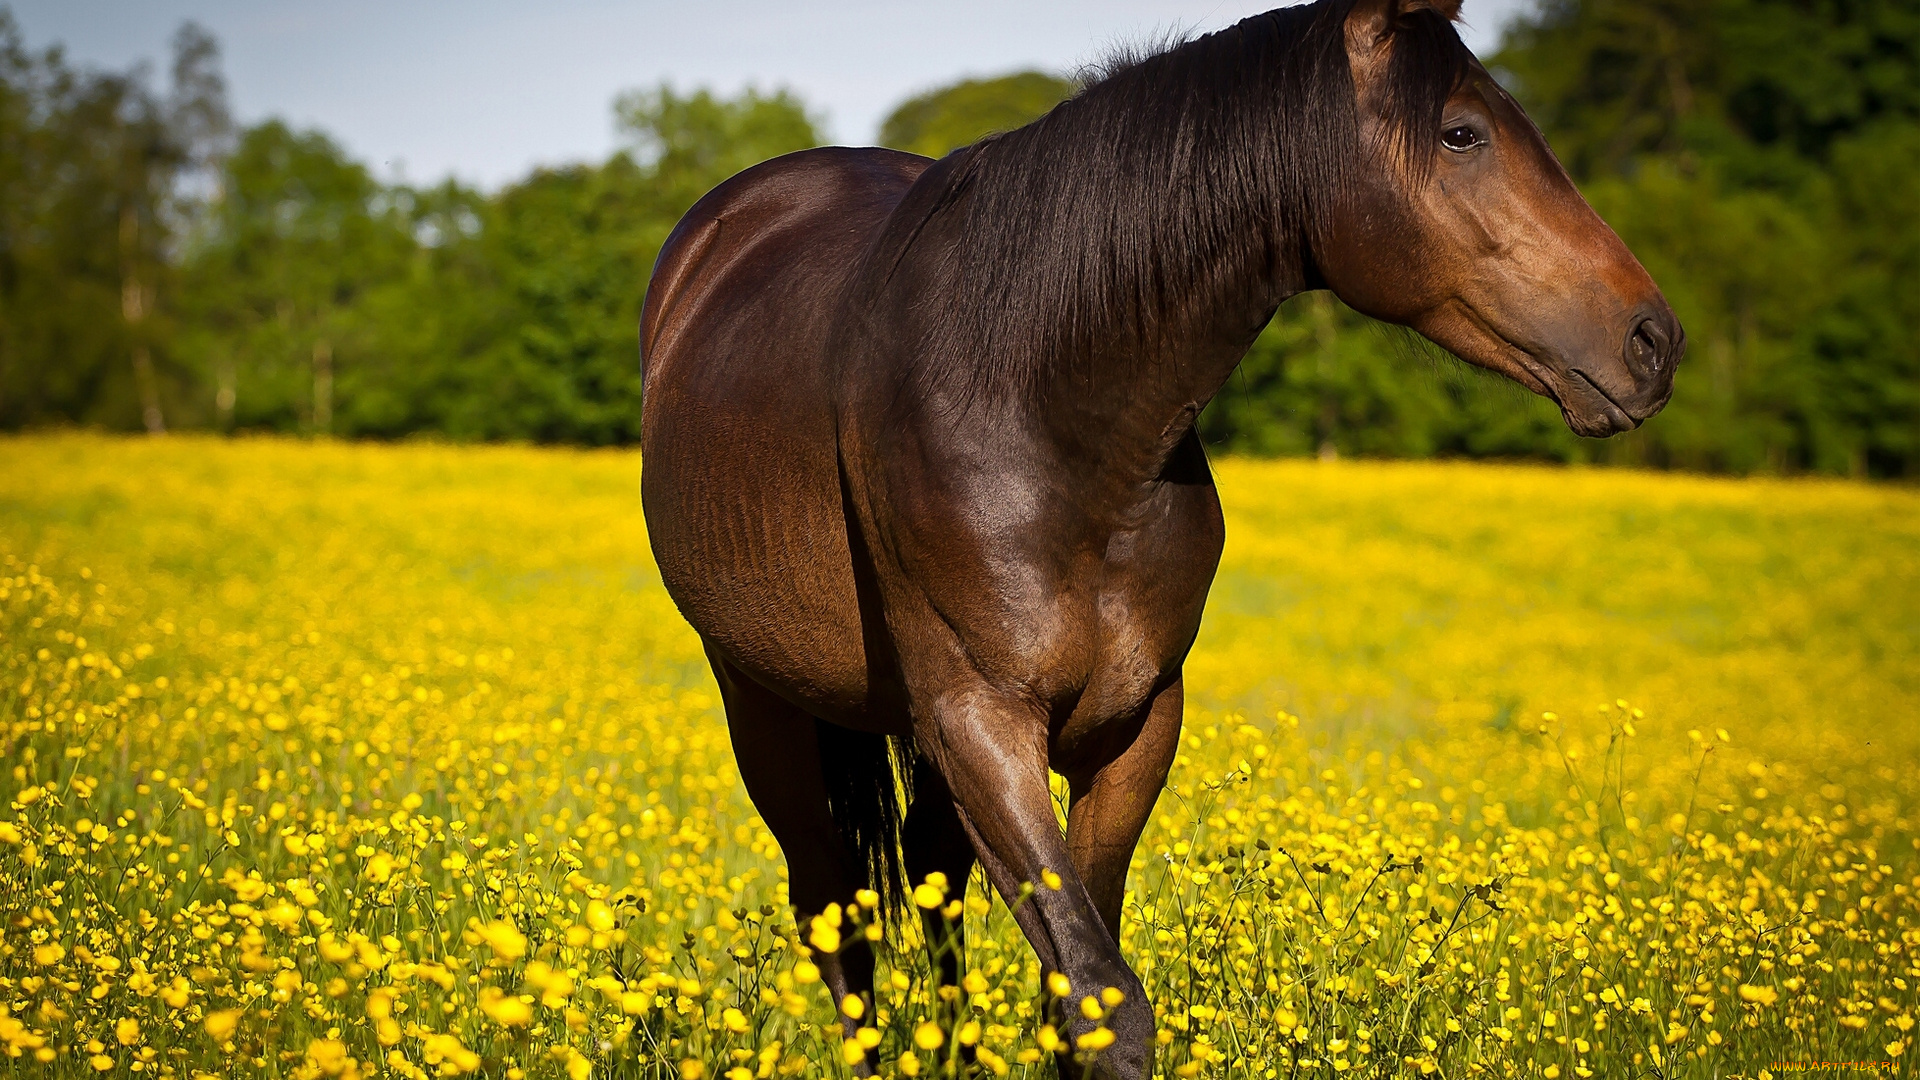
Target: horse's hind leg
(934, 841)
(778, 748)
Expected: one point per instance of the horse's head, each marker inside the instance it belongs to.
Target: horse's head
(1458, 221)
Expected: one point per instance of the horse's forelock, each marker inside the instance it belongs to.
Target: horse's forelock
(1427, 63)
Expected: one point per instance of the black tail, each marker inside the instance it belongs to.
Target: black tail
(869, 784)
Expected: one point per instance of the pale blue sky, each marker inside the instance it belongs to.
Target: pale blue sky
(485, 89)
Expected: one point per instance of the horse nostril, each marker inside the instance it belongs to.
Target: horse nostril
(1648, 347)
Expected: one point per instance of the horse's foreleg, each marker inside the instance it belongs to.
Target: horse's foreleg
(778, 749)
(1112, 799)
(992, 750)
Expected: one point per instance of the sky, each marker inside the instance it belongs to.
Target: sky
(485, 90)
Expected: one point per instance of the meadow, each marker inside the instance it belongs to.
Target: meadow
(335, 760)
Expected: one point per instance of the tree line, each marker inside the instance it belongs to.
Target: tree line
(164, 268)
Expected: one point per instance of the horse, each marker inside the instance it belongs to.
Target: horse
(918, 445)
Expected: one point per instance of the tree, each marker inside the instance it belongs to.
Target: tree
(569, 252)
(1766, 86)
(685, 145)
(940, 121)
(296, 240)
(1758, 155)
(156, 271)
(86, 213)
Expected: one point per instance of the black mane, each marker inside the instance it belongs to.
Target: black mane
(1094, 229)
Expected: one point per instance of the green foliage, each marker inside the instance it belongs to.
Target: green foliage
(565, 256)
(1765, 86)
(88, 167)
(691, 143)
(940, 121)
(1758, 155)
(322, 300)
(280, 276)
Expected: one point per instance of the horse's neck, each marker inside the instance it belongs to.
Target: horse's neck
(1142, 389)
(1123, 414)
(1136, 268)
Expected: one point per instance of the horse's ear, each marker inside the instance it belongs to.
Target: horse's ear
(1381, 16)
(1446, 9)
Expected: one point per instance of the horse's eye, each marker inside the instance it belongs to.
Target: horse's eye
(1460, 138)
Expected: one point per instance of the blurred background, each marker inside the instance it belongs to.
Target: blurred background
(392, 222)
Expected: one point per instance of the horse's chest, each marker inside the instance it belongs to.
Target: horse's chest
(1149, 602)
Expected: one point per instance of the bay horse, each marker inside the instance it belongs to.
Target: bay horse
(919, 460)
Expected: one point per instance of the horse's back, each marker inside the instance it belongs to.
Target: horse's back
(740, 476)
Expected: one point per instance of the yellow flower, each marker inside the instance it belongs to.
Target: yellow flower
(1097, 1039)
(600, 916)
(555, 986)
(450, 1053)
(330, 1057)
(220, 1025)
(504, 1009)
(175, 994)
(1468, 866)
(245, 889)
(379, 868)
(505, 939)
(824, 937)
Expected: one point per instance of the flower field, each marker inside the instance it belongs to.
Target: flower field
(396, 761)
